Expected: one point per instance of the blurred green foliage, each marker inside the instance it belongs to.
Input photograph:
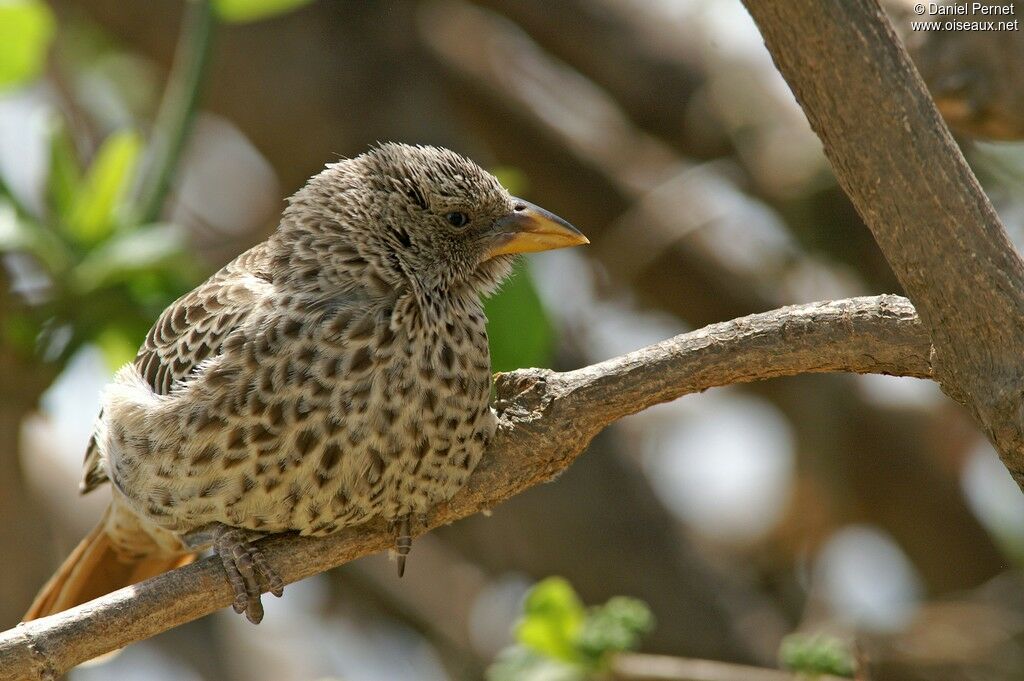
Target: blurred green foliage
(26, 29)
(520, 333)
(512, 178)
(816, 654)
(559, 639)
(100, 275)
(92, 200)
(87, 270)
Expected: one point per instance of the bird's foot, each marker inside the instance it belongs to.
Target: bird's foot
(247, 570)
(403, 542)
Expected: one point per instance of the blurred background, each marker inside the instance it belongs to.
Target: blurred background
(142, 145)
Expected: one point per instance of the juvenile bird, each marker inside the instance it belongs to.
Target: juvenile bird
(337, 372)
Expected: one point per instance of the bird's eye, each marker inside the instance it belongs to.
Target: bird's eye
(457, 219)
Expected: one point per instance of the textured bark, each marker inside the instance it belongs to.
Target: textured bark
(896, 159)
(546, 420)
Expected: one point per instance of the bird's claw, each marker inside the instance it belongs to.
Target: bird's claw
(247, 571)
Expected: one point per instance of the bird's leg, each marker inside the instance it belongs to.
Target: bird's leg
(247, 570)
(246, 567)
(403, 542)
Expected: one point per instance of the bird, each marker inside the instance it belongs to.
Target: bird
(335, 373)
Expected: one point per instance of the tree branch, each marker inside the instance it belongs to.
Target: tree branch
(895, 158)
(546, 420)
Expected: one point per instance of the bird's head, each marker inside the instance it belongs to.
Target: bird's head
(419, 216)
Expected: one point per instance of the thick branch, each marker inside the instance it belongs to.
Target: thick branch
(547, 419)
(894, 156)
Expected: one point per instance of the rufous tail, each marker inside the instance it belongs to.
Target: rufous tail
(95, 568)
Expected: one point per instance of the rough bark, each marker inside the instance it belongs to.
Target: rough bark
(896, 159)
(546, 420)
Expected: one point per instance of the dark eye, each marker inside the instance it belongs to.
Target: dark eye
(457, 219)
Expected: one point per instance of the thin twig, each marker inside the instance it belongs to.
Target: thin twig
(546, 421)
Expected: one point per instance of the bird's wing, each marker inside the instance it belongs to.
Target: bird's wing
(190, 331)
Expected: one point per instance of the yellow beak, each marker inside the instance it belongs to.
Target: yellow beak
(529, 228)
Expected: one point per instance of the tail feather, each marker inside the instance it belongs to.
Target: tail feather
(95, 568)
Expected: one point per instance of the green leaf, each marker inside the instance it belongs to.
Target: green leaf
(816, 654)
(92, 217)
(26, 30)
(65, 180)
(613, 627)
(552, 617)
(559, 640)
(239, 11)
(520, 333)
(128, 255)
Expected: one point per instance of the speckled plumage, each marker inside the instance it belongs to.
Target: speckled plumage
(336, 372)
